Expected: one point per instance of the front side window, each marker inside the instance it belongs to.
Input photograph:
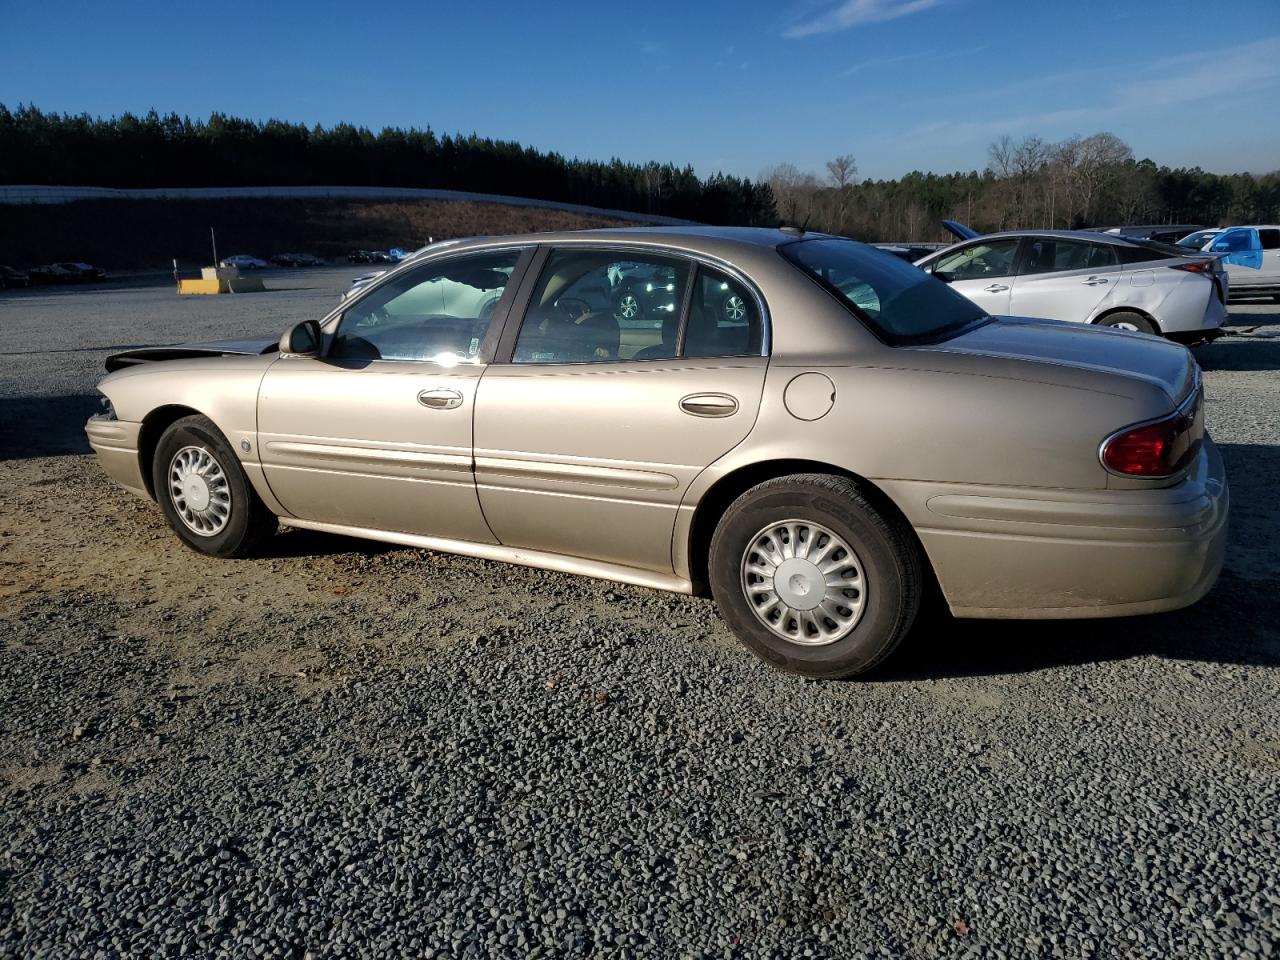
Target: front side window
(900, 303)
(979, 261)
(598, 306)
(1049, 255)
(1234, 241)
(1270, 239)
(439, 312)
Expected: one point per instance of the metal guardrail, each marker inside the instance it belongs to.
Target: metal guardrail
(35, 194)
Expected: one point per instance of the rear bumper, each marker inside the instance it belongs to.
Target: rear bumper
(1025, 554)
(116, 444)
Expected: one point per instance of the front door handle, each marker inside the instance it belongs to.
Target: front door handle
(996, 288)
(441, 398)
(1094, 281)
(709, 405)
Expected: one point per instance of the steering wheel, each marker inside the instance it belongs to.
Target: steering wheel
(375, 317)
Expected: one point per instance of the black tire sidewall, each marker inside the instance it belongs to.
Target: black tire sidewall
(1138, 320)
(200, 432)
(892, 581)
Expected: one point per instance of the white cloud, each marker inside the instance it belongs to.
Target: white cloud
(1151, 89)
(852, 13)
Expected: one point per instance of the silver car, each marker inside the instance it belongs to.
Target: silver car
(815, 434)
(1089, 278)
(1251, 255)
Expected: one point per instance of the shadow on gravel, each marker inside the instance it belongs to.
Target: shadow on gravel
(44, 426)
(291, 543)
(1253, 353)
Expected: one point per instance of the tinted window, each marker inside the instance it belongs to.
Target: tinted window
(1047, 255)
(1270, 239)
(899, 302)
(601, 306)
(724, 320)
(979, 260)
(1141, 254)
(1102, 255)
(1233, 241)
(440, 312)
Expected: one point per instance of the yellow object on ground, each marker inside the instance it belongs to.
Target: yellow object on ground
(220, 280)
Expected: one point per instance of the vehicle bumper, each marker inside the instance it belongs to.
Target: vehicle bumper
(116, 444)
(1030, 554)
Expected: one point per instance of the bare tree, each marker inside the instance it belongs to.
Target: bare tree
(793, 191)
(842, 171)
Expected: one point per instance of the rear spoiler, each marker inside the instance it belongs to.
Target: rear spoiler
(959, 230)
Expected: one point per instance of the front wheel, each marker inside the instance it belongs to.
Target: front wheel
(813, 578)
(205, 494)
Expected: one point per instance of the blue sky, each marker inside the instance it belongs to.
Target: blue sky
(900, 84)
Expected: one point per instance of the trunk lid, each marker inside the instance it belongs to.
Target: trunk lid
(1067, 353)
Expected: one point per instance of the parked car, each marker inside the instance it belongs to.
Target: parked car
(243, 261)
(296, 260)
(51, 273)
(1098, 278)
(859, 431)
(1194, 242)
(1159, 232)
(359, 256)
(1251, 255)
(82, 272)
(9, 277)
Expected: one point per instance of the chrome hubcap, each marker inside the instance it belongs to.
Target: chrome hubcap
(200, 491)
(628, 307)
(803, 582)
(734, 308)
(1126, 326)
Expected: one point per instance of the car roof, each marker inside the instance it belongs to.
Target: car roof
(1091, 236)
(705, 239)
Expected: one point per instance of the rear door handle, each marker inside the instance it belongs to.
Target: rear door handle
(996, 288)
(1094, 281)
(440, 398)
(709, 405)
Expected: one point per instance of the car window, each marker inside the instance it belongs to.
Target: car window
(598, 306)
(438, 312)
(993, 258)
(898, 302)
(1102, 255)
(1197, 239)
(724, 320)
(1233, 241)
(1050, 255)
(1270, 239)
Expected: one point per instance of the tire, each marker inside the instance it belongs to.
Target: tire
(224, 516)
(627, 307)
(826, 509)
(1127, 320)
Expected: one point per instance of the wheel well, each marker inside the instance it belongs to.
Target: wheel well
(1114, 310)
(154, 424)
(727, 489)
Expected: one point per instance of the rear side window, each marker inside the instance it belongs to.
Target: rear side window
(1046, 255)
(1102, 255)
(899, 303)
(1140, 255)
(1270, 239)
(723, 318)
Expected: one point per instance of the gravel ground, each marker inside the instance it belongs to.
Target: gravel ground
(346, 749)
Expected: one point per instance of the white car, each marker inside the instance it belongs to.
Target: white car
(1085, 277)
(1251, 255)
(242, 261)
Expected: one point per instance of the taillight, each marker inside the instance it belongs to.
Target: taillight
(1158, 449)
(1194, 266)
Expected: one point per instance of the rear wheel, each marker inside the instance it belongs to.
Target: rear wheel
(1127, 320)
(205, 494)
(812, 578)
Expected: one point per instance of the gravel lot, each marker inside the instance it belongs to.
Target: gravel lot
(353, 750)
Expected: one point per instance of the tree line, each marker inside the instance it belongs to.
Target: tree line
(1079, 182)
(176, 151)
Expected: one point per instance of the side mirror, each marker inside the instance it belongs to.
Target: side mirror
(302, 340)
(943, 275)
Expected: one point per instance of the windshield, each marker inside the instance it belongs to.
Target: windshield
(1198, 239)
(900, 303)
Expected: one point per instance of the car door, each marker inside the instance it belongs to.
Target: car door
(1061, 279)
(982, 270)
(377, 433)
(1269, 237)
(1241, 251)
(588, 437)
